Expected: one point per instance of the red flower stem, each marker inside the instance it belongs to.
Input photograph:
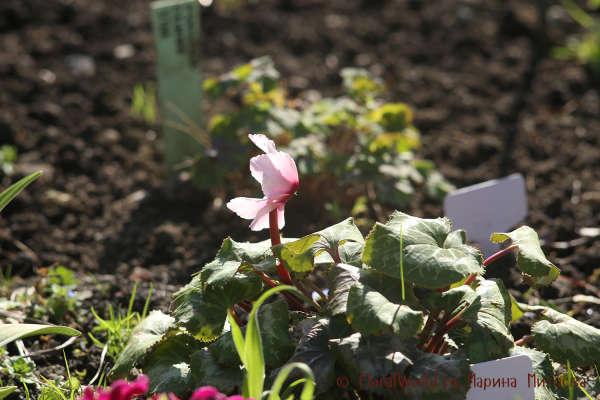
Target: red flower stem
(275, 240)
(237, 320)
(523, 340)
(439, 336)
(427, 328)
(287, 295)
(245, 306)
(443, 349)
(490, 260)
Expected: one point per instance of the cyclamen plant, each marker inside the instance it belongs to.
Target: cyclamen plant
(409, 300)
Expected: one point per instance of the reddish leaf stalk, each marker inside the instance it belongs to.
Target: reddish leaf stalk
(275, 240)
(439, 336)
(427, 329)
(236, 318)
(490, 260)
(245, 306)
(287, 295)
(444, 349)
(525, 339)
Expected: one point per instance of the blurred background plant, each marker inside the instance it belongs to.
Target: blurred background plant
(584, 50)
(143, 102)
(8, 156)
(357, 142)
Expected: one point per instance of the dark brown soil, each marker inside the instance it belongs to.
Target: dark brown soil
(487, 98)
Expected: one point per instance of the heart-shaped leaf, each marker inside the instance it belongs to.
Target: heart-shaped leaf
(432, 257)
(343, 276)
(567, 339)
(382, 358)
(313, 350)
(274, 324)
(145, 335)
(537, 270)
(208, 372)
(450, 300)
(487, 336)
(371, 313)
(400, 370)
(202, 308)
(234, 255)
(446, 376)
(168, 366)
(299, 256)
(542, 369)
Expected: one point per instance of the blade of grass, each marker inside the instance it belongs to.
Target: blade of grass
(10, 193)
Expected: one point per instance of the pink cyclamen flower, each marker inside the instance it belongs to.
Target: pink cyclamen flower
(278, 176)
(119, 390)
(208, 393)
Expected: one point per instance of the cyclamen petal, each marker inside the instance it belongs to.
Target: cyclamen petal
(258, 209)
(263, 143)
(278, 173)
(278, 176)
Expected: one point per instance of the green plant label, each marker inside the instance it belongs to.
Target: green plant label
(507, 378)
(493, 206)
(176, 26)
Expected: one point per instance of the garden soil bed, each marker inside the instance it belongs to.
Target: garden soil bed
(487, 99)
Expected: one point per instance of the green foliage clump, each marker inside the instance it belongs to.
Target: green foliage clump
(354, 140)
(408, 300)
(587, 49)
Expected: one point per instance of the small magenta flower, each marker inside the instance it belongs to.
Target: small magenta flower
(278, 176)
(119, 390)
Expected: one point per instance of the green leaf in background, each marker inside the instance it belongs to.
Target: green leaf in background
(208, 372)
(12, 332)
(431, 256)
(145, 335)
(168, 366)
(537, 270)
(7, 195)
(232, 256)
(202, 309)
(5, 391)
(542, 369)
(370, 313)
(299, 256)
(274, 324)
(381, 358)
(565, 338)
(487, 336)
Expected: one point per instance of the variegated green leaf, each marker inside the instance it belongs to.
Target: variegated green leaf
(370, 313)
(202, 308)
(234, 255)
(168, 365)
(567, 339)
(432, 257)
(542, 369)
(145, 335)
(299, 256)
(208, 372)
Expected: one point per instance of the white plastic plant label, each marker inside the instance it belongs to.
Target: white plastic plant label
(504, 379)
(493, 206)
(176, 26)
